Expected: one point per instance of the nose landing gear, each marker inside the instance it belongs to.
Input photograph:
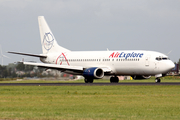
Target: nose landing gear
(157, 80)
(158, 76)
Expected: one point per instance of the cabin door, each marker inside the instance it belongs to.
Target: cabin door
(147, 60)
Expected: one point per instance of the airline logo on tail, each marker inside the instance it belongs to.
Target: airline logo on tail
(48, 41)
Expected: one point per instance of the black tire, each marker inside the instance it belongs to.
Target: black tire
(111, 79)
(114, 79)
(88, 80)
(91, 80)
(158, 80)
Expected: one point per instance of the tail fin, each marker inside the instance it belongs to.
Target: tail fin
(48, 41)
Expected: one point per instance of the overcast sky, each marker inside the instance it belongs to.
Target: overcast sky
(91, 25)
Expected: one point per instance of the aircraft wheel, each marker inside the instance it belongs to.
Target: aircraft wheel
(88, 80)
(158, 80)
(111, 79)
(114, 79)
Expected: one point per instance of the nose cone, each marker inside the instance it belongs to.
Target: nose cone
(171, 65)
(166, 66)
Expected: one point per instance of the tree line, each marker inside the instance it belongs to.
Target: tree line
(19, 70)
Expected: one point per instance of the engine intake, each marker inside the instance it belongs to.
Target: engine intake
(94, 72)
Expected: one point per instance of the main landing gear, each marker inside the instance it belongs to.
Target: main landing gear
(114, 79)
(157, 80)
(88, 80)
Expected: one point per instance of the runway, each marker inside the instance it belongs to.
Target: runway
(87, 84)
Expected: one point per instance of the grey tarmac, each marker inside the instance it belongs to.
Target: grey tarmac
(88, 84)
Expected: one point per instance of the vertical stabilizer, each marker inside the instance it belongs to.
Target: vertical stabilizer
(48, 41)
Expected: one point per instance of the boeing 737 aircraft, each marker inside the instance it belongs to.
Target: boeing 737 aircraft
(92, 65)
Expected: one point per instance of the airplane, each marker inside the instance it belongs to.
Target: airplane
(139, 64)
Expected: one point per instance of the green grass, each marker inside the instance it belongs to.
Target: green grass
(90, 102)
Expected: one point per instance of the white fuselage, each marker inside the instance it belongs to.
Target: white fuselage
(96, 64)
(132, 62)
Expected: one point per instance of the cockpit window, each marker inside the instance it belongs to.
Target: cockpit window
(158, 58)
(162, 58)
(165, 58)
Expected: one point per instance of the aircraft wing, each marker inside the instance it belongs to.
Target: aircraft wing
(55, 66)
(78, 69)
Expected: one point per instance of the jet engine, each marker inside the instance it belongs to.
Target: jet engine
(94, 73)
(140, 77)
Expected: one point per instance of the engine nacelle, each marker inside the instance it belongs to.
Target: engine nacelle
(95, 73)
(140, 77)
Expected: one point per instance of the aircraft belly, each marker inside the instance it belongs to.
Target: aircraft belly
(126, 71)
(133, 69)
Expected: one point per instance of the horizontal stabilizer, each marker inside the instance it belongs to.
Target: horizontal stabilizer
(28, 54)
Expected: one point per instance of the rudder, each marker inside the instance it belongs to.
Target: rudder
(48, 41)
